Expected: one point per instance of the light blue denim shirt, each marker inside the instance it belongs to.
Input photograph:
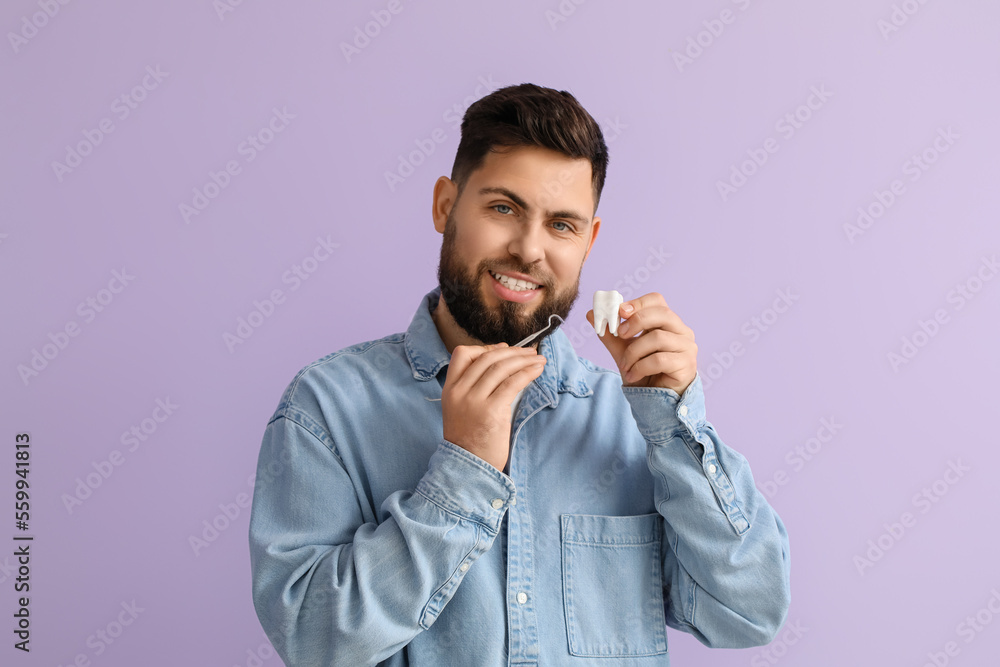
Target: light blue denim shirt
(375, 541)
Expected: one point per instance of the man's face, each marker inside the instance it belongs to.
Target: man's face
(526, 213)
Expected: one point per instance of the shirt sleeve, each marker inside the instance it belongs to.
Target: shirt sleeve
(727, 569)
(330, 588)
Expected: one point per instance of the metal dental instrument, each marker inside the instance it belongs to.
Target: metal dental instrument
(540, 331)
(525, 341)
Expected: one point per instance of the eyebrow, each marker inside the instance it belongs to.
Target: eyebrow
(517, 199)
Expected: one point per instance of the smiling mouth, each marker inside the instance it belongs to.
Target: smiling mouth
(514, 285)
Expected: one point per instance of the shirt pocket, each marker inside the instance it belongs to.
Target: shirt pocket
(613, 585)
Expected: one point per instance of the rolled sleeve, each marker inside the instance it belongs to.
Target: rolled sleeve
(466, 485)
(677, 425)
(727, 564)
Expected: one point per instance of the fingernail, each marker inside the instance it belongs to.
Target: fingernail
(622, 329)
(628, 308)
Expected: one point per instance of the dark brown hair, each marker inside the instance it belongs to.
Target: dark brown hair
(530, 115)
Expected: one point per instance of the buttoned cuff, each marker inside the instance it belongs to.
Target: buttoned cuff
(464, 484)
(660, 413)
(661, 416)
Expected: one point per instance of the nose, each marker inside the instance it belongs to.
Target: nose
(527, 243)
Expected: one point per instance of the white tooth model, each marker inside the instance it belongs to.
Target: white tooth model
(606, 311)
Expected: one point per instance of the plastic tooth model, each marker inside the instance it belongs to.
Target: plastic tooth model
(606, 304)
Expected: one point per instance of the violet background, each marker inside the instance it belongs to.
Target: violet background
(679, 131)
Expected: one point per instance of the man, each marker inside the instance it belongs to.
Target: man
(439, 497)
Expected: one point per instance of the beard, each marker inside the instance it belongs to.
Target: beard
(507, 322)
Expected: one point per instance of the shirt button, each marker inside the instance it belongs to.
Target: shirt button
(712, 469)
(463, 567)
(682, 411)
(497, 503)
(522, 598)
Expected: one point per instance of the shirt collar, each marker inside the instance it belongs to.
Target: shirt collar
(427, 354)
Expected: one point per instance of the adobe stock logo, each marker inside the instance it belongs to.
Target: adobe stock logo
(900, 16)
(30, 27)
(914, 167)
(778, 649)
(105, 468)
(714, 28)
(562, 12)
(381, 18)
(753, 329)
(961, 294)
(425, 147)
(104, 637)
(264, 309)
(228, 513)
(249, 148)
(787, 126)
(799, 456)
(122, 107)
(968, 630)
(256, 657)
(88, 309)
(923, 500)
(223, 7)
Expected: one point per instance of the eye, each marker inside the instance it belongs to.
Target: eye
(497, 207)
(568, 226)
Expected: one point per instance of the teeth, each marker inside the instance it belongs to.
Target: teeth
(516, 285)
(606, 311)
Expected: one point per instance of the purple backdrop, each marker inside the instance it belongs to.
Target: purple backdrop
(810, 185)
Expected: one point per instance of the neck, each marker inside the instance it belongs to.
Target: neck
(451, 334)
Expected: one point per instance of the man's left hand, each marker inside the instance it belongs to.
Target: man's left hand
(654, 348)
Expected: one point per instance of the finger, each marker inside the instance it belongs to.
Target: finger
(649, 300)
(463, 356)
(666, 363)
(653, 317)
(650, 342)
(636, 362)
(507, 390)
(652, 300)
(500, 371)
(475, 371)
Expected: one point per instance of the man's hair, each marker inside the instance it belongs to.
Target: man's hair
(530, 115)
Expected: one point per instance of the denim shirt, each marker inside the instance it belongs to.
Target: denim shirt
(373, 540)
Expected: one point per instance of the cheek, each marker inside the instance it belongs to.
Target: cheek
(567, 268)
(466, 253)
(485, 241)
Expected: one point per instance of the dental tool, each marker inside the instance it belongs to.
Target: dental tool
(540, 331)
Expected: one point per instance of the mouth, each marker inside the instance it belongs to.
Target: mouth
(512, 289)
(513, 284)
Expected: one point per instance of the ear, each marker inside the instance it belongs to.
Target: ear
(445, 191)
(593, 237)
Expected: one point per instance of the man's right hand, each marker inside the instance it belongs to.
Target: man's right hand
(481, 384)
